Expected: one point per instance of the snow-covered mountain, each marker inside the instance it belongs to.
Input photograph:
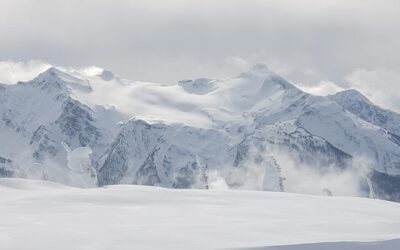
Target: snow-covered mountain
(99, 129)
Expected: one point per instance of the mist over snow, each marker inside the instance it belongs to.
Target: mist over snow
(304, 178)
(297, 176)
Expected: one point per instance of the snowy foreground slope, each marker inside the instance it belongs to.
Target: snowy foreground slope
(46, 215)
(254, 131)
(378, 245)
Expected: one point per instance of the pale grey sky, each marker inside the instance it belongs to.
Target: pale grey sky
(311, 42)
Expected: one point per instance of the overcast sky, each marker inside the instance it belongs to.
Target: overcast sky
(320, 45)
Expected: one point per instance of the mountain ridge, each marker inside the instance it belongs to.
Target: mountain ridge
(182, 135)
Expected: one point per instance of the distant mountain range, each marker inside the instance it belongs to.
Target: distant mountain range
(94, 130)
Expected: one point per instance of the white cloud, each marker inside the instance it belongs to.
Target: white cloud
(324, 88)
(90, 71)
(12, 72)
(309, 179)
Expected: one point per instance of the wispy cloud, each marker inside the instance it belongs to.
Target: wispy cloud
(12, 71)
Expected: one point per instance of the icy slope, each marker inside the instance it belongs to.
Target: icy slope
(45, 215)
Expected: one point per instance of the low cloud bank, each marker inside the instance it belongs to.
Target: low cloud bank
(291, 175)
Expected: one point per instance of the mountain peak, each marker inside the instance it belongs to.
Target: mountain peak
(58, 77)
(350, 95)
(259, 70)
(259, 67)
(106, 75)
(51, 72)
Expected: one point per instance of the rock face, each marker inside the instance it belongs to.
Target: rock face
(7, 168)
(168, 155)
(79, 130)
(199, 86)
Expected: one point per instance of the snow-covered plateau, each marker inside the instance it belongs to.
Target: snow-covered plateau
(46, 215)
(255, 131)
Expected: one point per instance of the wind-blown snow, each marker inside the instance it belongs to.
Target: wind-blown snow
(46, 215)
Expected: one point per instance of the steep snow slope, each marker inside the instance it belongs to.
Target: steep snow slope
(356, 103)
(181, 135)
(359, 105)
(45, 215)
